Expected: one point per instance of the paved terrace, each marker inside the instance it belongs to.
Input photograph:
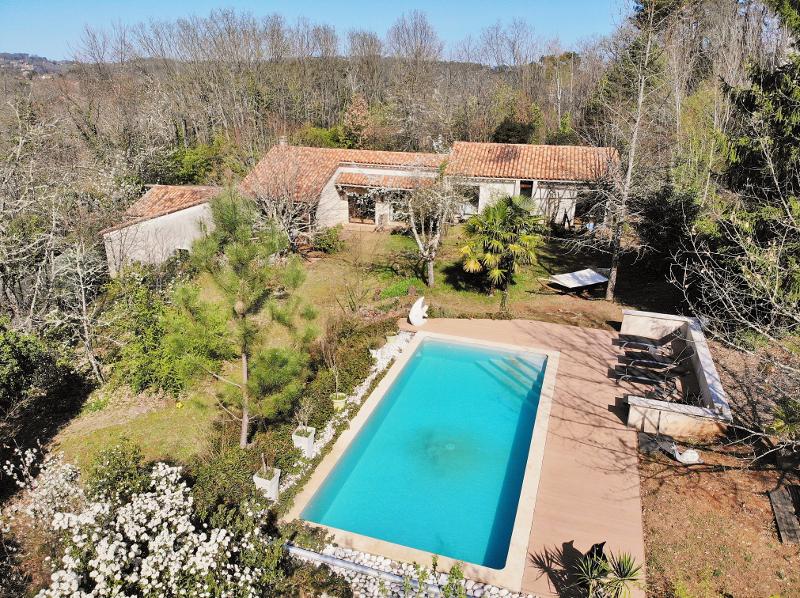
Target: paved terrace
(589, 487)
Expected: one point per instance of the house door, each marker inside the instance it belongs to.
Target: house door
(361, 209)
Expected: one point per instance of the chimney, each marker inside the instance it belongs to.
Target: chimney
(282, 141)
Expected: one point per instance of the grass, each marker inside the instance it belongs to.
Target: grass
(174, 431)
(374, 271)
(707, 534)
(400, 288)
(380, 267)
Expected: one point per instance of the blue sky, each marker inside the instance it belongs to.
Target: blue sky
(52, 28)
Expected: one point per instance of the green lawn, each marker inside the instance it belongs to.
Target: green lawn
(374, 271)
(381, 265)
(171, 431)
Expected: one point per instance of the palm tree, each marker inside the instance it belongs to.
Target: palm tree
(502, 236)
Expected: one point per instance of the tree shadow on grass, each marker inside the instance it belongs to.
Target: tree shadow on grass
(460, 280)
(401, 264)
(42, 420)
(642, 282)
(556, 258)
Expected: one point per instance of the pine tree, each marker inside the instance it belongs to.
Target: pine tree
(243, 260)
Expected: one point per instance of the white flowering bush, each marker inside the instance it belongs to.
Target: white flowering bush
(152, 546)
(135, 531)
(54, 489)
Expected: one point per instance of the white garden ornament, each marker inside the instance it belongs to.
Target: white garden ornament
(418, 313)
(268, 482)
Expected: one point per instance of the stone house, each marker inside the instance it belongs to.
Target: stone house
(342, 186)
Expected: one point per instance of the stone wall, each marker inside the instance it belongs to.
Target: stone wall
(673, 419)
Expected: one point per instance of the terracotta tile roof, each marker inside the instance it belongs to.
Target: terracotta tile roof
(382, 181)
(538, 162)
(165, 199)
(160, 200)
(306, 170)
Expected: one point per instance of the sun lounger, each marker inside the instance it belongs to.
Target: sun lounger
(663, 392)
(654, 361)
(645, 376)
(643, 343)
(577, 280)
(659, 358)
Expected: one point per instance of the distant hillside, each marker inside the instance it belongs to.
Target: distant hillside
(30, 64)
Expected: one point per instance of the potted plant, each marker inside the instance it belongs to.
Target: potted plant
(303, 436)
(268, 482)
(330, 349)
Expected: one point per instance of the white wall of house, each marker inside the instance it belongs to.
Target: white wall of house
(154, 241)
(554, 203)
(490, 192)
(332, 208)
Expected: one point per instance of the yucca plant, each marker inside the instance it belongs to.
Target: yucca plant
(612, 577)
(591, 573)
(624, 575)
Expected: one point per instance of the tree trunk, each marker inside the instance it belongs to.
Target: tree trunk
(429, 264)
(504, 297)
(621, 210)
(243, 434)
(615, 251)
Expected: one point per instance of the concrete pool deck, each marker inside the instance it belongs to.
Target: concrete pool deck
(589, 485)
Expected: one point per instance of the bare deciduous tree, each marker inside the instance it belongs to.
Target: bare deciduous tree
(431, 209)
(280, 203)
(78, 276)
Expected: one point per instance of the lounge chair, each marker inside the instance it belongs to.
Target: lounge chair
(418, 313)
(663, 392)
(657, 361)
(641, 375)
(644, 343)
(580, 279)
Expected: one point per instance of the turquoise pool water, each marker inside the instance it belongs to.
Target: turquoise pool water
(439, 464)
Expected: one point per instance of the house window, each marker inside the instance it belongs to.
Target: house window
(526, 188)
(361, 207)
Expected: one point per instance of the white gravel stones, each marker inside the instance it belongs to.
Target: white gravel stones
(369, 585)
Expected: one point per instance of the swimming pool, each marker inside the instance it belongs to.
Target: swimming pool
(439, 464)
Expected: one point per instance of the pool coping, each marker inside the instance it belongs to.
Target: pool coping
(509, 576)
